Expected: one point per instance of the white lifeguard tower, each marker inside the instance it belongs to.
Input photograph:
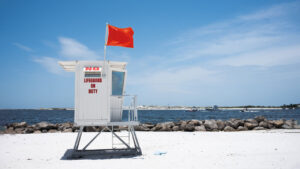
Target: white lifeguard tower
(99, 98)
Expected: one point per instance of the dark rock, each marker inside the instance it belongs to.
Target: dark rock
(52, 126)
(175, 128)
(258, 128)
(60, 128)
(45, 126)
(138, 128)
(141, 128)
(157, 127)
(211, 125)
(86, 129)
(105, 130)
(116, 128)
(289, 123)
(195, 122)
(228, 128)
(177, 123)
(264, 124)
(237, 123)
(182, 125)
(260, 119)
(67, 130)
(11, 125)
(123, 128)
(189, 127)
(10, 130)
(19, 130)
(270, 125)
(20, 125)
(44, 131)
(167, 126)
(67, 125)
(221, 124)
(200, 128)
(149, 125)
(278, 123)
(74, 128)
(63, 126)
(97, 128)
(154, 129)
(35, 127)
(251, 121)
(29, 130)
(37, 132)
(234, 123)
(52, 131)
(250, 124)
(241, 128)
(285, 126)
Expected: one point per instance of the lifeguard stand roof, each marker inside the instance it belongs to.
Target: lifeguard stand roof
(69, 66)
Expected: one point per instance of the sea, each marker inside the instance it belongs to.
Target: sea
(32, 116)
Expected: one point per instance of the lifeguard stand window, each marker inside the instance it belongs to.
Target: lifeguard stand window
(117, 83)
(92, 74)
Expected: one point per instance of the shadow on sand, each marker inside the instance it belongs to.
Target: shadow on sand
(71, 154)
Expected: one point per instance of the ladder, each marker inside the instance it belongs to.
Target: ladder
(116, 143)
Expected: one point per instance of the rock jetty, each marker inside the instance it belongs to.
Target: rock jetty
(257, 123)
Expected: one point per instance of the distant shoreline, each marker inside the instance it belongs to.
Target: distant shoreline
(168, 108)
(205, 108)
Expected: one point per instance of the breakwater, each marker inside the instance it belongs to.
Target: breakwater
(257, 123)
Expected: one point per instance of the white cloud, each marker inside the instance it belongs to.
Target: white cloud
(241, 39)
(267, 57)
(272, 12)
(71, 48)
(51, 64)
(23, 47)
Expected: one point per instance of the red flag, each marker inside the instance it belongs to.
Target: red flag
(120, 37)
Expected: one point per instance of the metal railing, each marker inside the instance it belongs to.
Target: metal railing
(129, 103)
(132, 110)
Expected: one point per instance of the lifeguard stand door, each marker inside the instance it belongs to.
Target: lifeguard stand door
(92, 92)
(116, 99)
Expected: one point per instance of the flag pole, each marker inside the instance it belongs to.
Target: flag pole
(106, 36)
(106, 33)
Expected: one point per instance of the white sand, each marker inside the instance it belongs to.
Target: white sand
(250, 149)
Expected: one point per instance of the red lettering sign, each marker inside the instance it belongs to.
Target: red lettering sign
(92, 80)
(88, 69)
(93, 91)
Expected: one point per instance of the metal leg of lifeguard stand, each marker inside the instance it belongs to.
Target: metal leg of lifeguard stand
(78, 138)
(135, 140)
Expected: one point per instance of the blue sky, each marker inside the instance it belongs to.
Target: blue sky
(186, 52)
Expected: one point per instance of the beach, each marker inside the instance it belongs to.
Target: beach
(244, 149)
